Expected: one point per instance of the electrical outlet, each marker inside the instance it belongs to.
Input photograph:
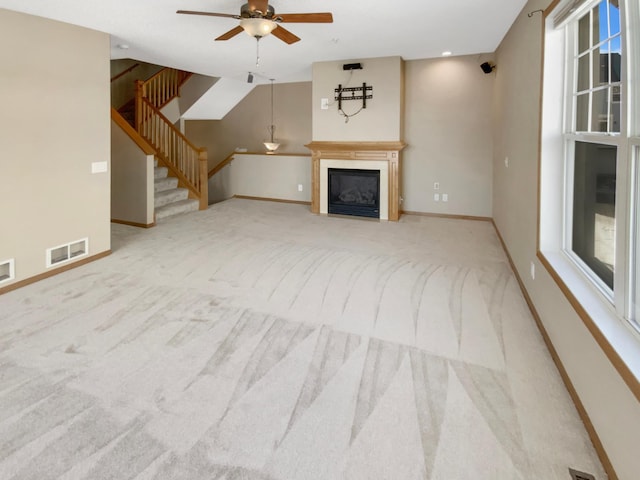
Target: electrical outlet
(299, 187)
(578, 475)
(436, 197)
(445, 197)
(324, 104)
(506, 162)
(436, 185)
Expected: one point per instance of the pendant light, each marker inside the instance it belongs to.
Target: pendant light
(271, 145)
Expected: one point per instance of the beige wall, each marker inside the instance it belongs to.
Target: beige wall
(612, 408)
(54, 123)
(380, 121)
(448, 135)
(264, 176)
(131, 179)
(246, 125)
(447, 119)
(123, 89)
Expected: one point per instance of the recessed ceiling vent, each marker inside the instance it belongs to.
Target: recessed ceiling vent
(69, 251)
(576, 475)
(7, 270)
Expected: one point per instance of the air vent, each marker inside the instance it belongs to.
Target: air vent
(576, 475)
(7, 270)
(69, 251)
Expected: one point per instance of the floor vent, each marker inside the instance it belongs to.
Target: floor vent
(7, 270)
(69, 251)
(576, 475)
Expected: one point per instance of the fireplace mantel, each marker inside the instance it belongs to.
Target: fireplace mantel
(389, 152)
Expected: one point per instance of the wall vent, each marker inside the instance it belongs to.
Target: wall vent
(7, 270)
(577, 475)
(69, 251)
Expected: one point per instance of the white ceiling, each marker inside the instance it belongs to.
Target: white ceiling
(412, 29)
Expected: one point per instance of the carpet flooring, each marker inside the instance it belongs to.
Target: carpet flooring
(258, 341)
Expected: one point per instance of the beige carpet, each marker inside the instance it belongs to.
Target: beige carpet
(258, 341)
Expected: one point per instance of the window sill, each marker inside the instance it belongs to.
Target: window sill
(617, 338)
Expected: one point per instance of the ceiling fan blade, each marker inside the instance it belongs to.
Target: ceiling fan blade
(260, 5)
(208, 14)
(285, 35)
(325, 17)
(230, 34)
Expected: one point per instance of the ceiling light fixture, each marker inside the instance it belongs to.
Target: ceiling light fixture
(446, 54)
(271, 145)
(258, 27)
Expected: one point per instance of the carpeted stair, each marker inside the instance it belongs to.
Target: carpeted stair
(169, 199)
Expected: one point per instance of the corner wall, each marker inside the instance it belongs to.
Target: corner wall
(611, 406)
(448, 135)
(54, 123)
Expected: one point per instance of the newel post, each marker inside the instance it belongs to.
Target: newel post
(204, 178)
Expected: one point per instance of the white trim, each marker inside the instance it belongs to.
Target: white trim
(608, 311)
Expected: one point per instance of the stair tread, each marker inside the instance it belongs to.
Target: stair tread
(175, 208)
(171, 195)
(164, 183)
(160, 172)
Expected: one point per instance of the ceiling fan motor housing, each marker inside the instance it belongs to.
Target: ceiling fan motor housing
(246, 12)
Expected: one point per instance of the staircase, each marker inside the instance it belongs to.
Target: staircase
(169, 199)
(180, 176)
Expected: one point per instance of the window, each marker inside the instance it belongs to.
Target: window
(590, 176)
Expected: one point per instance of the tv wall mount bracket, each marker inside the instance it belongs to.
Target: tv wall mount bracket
(364, 93)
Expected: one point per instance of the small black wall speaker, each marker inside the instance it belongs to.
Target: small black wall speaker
(352, 66)
(487, 67)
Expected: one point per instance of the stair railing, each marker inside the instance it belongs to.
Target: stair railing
(186, 161)
(164, 86)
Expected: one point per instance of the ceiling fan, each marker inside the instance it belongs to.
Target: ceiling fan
(259, 19)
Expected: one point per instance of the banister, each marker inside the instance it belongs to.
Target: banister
(164, 86)
(133, 134)
(121, 74)
(186, 161)
(221, 165)
(171, 125)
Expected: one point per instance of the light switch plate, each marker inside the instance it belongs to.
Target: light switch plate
(99, 167)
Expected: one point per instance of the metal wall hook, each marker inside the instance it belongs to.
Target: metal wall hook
(530, 14)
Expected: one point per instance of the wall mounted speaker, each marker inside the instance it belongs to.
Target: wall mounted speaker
(487, 67)
(352, 66)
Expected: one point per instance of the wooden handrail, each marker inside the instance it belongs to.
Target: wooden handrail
(222, 164)
(129, 130)
(125, 72)
(186, 161)
(164, 86)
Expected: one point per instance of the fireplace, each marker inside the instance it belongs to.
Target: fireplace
(354, 192)
(381, 157)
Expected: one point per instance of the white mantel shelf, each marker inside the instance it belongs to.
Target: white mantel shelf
(389, 152)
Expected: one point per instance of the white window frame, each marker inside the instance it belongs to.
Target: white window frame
(606, 312)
